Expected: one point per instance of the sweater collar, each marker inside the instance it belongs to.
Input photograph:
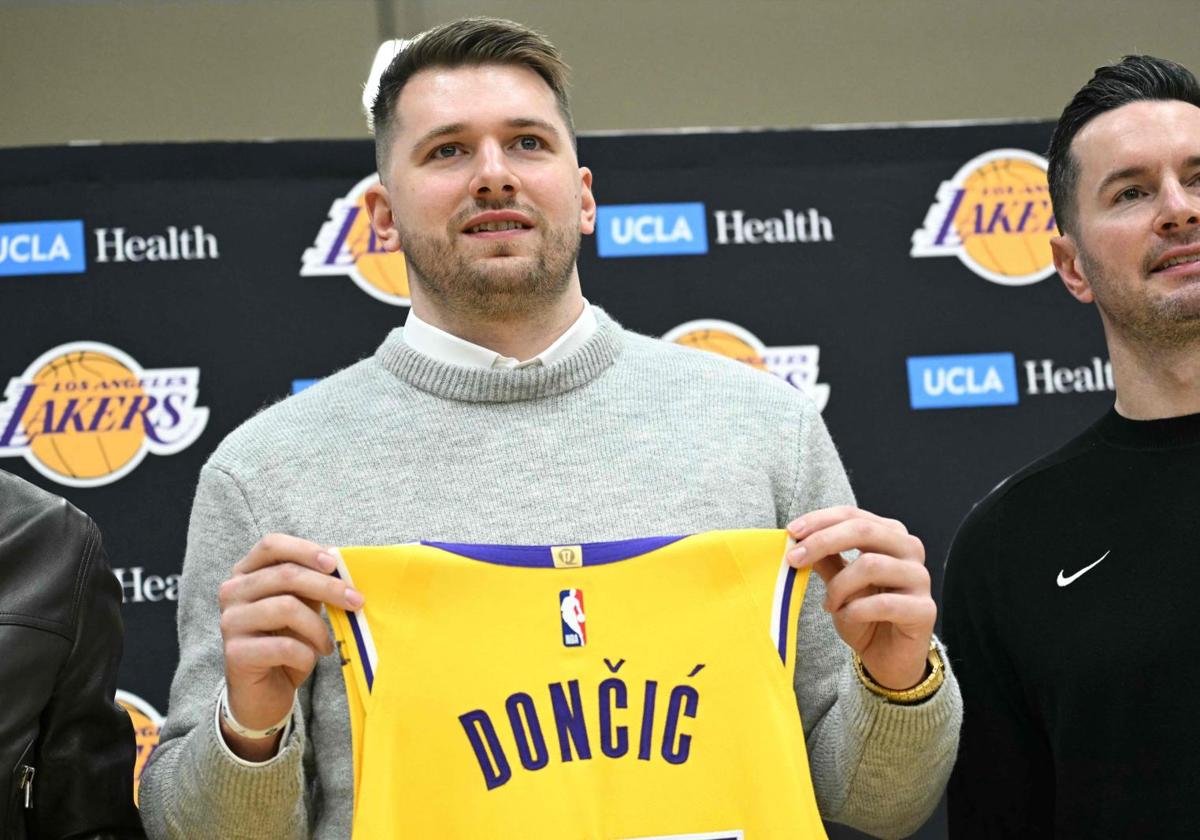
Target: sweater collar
(474, 384)
(443, 346)
(1167, 433)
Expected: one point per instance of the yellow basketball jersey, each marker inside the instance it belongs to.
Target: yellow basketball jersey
(630, 689)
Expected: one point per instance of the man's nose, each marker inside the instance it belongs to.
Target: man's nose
(494, 176)
(1179, 208)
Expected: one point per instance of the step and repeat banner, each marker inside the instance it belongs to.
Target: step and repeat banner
(152, 297)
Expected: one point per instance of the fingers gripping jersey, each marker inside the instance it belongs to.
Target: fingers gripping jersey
(629, 689)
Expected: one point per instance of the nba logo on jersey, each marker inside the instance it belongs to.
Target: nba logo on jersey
(574, 626)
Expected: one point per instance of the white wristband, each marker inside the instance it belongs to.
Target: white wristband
(246, 732)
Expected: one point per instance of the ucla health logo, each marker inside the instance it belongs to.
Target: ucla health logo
(798, 364)
(85, 414)
(648, 230)
(995, 216)
(346, 247)
(28, 248)
(961, 381)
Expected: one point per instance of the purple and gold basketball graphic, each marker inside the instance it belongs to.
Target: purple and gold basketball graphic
(86, 414)
(147, 723)
(346, 246)
(798, 365)
(995, 216)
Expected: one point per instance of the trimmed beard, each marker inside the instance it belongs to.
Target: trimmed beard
(1172, 321)
(497, 291)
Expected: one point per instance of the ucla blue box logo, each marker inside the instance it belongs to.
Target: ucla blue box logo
(42, 248)
(961, 381)
(647, 230)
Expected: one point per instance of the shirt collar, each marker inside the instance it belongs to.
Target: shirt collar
(444, 347)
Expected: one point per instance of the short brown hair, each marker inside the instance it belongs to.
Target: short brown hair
(1136, 78)
(467, 42)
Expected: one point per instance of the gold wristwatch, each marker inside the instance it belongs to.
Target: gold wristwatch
(909, 696)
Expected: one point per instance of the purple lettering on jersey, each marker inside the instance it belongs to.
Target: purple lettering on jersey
(490, 755)
(676, 752)
(566, 706)
(568, 719)
(647, 721)
(614, 741)
(528, 732)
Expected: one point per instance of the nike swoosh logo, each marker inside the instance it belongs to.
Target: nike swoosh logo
(1067, 581)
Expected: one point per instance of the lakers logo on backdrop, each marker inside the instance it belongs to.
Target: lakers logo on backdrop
(147, 723)
(994, 215)
(346, 246)
(797, 364)
(85, 414)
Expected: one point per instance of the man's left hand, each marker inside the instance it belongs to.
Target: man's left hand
(881, 602)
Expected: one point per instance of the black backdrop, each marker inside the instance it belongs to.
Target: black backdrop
(240, 312)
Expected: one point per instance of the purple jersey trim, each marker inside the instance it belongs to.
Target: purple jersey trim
(538, 556)
(360, 643)
(785, 607)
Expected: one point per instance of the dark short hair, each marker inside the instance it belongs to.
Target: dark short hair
(1135, 78)
(462, 43)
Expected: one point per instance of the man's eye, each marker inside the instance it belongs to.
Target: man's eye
(445, 151)
(1129, 194)
(529, 144)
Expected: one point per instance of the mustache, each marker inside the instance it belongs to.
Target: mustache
(482, 205)
(1181, 240)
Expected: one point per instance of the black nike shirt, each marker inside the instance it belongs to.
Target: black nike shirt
(1081, 679)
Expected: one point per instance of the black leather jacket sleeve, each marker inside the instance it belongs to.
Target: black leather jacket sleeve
(61, 603)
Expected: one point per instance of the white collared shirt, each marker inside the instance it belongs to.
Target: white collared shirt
(444, 347)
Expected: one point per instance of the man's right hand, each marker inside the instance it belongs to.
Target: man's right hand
(273, 632)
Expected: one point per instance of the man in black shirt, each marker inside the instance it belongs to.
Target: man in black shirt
(1067, 592)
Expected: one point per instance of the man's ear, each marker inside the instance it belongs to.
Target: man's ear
(1069, 264)
(379, 210)
(587, 214)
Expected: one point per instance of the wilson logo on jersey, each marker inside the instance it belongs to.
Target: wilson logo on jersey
(85, 414)
(574, 624)
(346, 246)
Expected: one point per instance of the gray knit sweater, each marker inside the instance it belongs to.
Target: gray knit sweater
(626, 437)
